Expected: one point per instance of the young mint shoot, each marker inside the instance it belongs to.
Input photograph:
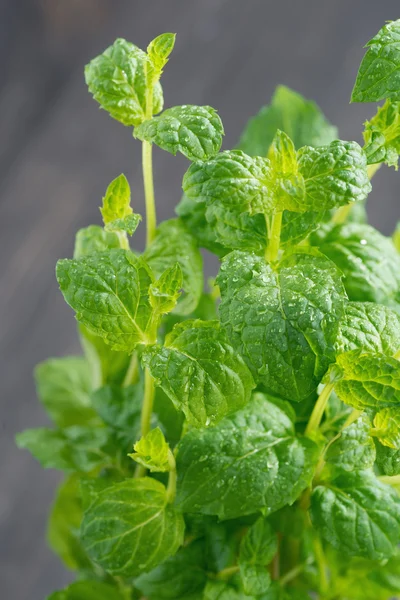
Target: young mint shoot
(241, 442)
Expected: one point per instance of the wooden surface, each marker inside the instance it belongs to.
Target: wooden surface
(58, 152)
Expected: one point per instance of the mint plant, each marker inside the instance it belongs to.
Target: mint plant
(240, 442)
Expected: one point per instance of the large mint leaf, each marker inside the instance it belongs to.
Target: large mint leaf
(63, 386)
(231, 178)
(358, 515)
(63, 525)
(75, 448)
(87, 590)
(236, 230)
(368, 260)
(200, 371)
(379, 73)
(109, 293)
(120, 407)
(283, 323)
(195, 131)
(129, 528)
(117, 81)
(334, 175)
(371, 327)
(252, 461)
(178, 577)
(174, 244)
(301, 119)
(369, 380)
(354, 450)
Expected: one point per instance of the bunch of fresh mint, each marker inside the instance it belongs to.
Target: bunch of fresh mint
(242, 442)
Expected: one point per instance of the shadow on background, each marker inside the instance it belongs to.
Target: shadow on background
(58, 152)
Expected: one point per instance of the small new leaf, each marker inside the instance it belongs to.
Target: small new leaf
(195, 131)
(109, 292)
(152, 451)
(117, 201)
(158, 52)
(164, 292)
(201, 373)
(369, 380)
(378, 76)
(382, 135)
(287, 182)
(117, 81)
(129, 224)
(129, 528)
(387, 427)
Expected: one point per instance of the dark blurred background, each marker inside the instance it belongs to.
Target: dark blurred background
(58, 152)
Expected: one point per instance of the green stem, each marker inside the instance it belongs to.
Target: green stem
(151, 220)
(321, 562)
(123, 240)
(132, 372)
(271, 253)
(319, 409)
(391, 480)
(171, 487)
(293, 573)
(372, 169)
(227, 573)
(147, 409)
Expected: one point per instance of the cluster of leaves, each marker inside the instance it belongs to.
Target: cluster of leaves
(244, 442)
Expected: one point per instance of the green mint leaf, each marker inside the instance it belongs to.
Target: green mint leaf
(195, 131)
(369, 380)
(129, 529)
(382, 135)
(232, 178)
(287, 182)
(193, 215)
(63, 526)
(299, 118)
(251, 461)
(255, 578)
(87, 590)
(200, 372)
(259, 544)
(152, 451)
(334, 175)
(128, 224)
(181, 576)
(117, 81)
(388, 460)
(74, 448)
(355, 448)
(109, 292)
(165, 292)
(174, 244)
(358, 499)
(106, 365)
(235, 230)
(158, 52)
(368, 261)
(370, 327)
(117, 201)
(378, 76)
(387, 427)
(120, 407)
(219, 590)
(94, 239)
(283, 323)
(63, 386)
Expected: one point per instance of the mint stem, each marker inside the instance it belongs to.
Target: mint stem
(272, 251)
(147, 409)
(319, 409)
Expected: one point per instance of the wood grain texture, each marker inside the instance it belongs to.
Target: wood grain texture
(58, 152)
